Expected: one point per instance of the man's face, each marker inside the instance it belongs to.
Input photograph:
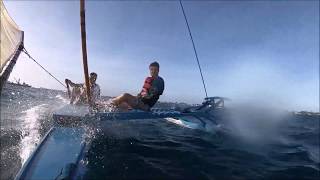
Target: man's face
(93, 79)
(154, 71)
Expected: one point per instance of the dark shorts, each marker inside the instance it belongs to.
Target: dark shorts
(150, 102)
(139, 104)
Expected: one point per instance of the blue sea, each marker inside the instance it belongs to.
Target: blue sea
(241, 143)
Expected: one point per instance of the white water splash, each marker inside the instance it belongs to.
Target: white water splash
(63, 99)
(194, 123)
(180, 122)
(30, 131)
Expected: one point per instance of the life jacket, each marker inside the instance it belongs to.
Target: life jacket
(146, 86)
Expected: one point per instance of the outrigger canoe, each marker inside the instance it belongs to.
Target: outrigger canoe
(60, 154)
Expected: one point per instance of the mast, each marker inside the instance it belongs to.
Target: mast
(84, 49)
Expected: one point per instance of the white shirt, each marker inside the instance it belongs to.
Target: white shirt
(95, 92)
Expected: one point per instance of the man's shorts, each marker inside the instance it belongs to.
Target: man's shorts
(138, 104)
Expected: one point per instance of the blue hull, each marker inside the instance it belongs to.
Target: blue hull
(59, 154)
(60, 147)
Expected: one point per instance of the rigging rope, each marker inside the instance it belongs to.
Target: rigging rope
(26, 52)
(194, 48)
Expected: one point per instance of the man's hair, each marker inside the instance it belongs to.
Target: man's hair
(93, 74)
(155, 64)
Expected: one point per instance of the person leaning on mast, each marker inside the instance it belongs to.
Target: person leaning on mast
(152, 89)
(78, 94)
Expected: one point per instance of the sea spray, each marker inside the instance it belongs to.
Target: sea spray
(255, 122)
(30, 131)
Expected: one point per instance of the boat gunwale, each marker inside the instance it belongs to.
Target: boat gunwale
(26, 165)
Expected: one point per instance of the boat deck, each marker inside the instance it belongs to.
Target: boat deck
(60, 147)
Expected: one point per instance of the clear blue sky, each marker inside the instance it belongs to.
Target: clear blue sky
(247, 49)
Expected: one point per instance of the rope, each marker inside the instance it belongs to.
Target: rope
(26, 52)
(194, 48)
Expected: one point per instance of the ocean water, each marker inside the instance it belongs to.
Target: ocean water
(240, 144)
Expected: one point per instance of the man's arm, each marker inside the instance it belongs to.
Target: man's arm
(68, 81)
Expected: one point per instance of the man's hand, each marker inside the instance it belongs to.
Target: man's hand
(147, 96)
(69, 82)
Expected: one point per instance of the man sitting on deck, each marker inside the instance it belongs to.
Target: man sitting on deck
(152, 89)
(78, 93)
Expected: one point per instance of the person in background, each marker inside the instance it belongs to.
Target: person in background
(78, 94)
(152, 88)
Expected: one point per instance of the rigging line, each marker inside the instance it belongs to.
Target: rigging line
(26, 52)
(194, 48)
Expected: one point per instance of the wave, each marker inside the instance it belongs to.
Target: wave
(62, 99)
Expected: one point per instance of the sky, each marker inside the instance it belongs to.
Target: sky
(262, 51)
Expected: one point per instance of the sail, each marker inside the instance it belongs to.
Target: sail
(10, 39)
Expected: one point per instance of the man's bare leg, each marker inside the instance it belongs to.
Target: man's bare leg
(124, 106)
(124, 98)
(130, 100)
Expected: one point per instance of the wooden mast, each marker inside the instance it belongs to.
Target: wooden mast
(84, 49)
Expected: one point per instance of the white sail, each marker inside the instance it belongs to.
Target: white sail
(10, 39)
